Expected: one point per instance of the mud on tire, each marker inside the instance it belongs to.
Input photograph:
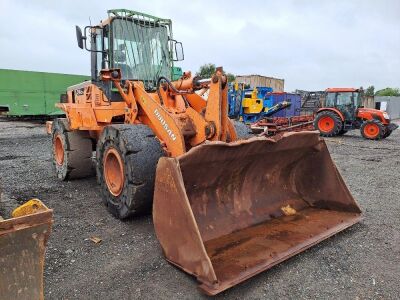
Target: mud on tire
(72, 151)
(139, 151)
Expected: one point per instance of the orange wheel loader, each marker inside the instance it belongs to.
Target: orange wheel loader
(224, 207)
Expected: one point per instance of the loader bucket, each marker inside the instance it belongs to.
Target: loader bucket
(22, 247)
(224, 212)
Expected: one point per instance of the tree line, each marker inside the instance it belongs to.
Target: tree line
(207, 70)
(370, 91)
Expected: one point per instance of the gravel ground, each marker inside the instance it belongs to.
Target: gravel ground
(360, 263)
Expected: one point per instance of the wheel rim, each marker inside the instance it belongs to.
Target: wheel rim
(326, 124)
(114, 171)
(371, 130)
(58, 150)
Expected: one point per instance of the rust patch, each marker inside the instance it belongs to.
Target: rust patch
(22, 242)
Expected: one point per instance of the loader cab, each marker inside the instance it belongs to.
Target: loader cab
(140, 45)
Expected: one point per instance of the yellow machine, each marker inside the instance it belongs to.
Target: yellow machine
(251, 103)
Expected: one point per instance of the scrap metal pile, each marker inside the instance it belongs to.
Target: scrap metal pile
(273, 126)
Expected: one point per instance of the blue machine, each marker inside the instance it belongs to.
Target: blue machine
(251, 105)
(294, 99)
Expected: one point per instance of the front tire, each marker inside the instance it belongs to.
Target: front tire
(372, 130)
(328, 123)
(127, 157)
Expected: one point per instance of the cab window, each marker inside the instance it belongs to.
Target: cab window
(345, 98)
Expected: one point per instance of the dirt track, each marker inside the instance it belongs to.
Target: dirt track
(361, 263)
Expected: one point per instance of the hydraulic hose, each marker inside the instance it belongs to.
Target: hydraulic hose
(171, 86)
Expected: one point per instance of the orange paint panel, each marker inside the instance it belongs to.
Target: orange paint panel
(370, 114)
(105, 116)
(200, 126)
(213, 109)
(338, 90)
(334, 110)
(162, 121)
(174, 122)
(197, 102)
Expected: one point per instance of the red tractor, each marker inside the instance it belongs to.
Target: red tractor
(343, 111)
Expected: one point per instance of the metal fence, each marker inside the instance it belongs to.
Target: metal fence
(390, 104)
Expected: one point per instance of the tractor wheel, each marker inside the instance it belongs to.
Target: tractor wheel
(372, 130)
(72, 151)
(127, 157)
(328, 123)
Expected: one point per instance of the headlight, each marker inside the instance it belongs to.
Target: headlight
(386, 115)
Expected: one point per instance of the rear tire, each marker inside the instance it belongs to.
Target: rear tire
(372, 130)
(72, 151)
(328, 123)
(127, 157)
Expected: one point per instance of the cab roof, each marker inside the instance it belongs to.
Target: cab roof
(336, 90)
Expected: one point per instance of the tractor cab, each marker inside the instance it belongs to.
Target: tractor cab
(343, 111)
(346, 100)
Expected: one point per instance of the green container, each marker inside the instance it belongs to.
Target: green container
(27, 93)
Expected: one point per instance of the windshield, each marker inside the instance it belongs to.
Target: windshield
(140, 50)
(330, 99)
(343, 98)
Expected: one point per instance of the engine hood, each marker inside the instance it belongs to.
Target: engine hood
(370, 110)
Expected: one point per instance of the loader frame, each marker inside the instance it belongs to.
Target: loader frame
(224, 207)
(181, 119)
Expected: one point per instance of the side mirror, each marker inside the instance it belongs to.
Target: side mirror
(79, 36)
(178, 51)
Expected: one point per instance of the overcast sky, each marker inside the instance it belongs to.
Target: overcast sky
(311, 44)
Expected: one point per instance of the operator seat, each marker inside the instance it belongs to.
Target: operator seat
(120, 62)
